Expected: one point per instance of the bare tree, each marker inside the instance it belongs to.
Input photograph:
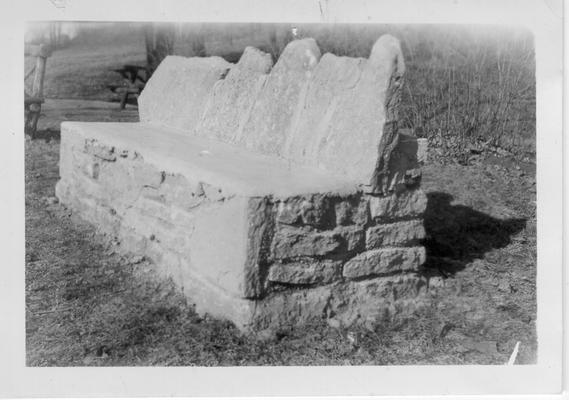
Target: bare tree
(55, 35)
(159, 40)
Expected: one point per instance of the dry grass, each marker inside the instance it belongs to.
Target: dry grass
(86, 305)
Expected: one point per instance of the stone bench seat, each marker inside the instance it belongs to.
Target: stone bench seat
(236, 170)
(271, 195)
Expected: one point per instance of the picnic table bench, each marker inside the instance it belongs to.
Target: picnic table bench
(135, 77)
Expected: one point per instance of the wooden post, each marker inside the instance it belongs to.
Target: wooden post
(37, 88)
(41, 52)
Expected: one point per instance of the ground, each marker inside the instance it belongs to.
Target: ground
(88, 305)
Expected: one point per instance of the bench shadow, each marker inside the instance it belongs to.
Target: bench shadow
(457, 234)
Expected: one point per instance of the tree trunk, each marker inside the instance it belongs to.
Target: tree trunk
(159, 40)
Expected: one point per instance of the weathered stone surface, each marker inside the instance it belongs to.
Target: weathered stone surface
(315, 210)
(377, 299)
(349, 302)
(397, 233)
(305, 273)
(384, 261)
(353, 210)
(260, 234)
(404, 171)
(176, 190)
(290, 308)
(333, 78)
(219, 243)
(370, 110)
(278, 103)
(92, 170)
(155, 229)
(147, 175)
(290, 243)
(323, 211)
(422, 150)
(318, 211)
(236, 170)
(100, 150)
(232, 99)
(408, 145)
(211, 192)
(175, 94)
(216, 301)
(289, 211)
(406, 204)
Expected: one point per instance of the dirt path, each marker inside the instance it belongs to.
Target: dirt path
(87, 305)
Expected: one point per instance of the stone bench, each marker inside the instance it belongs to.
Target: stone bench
(271, 195)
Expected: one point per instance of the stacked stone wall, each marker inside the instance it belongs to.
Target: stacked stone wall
(322, 254)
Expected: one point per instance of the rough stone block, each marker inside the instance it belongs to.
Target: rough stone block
(291, 243)
(290, 308)
(385, 261)
(404, 171)
(315, 210)
(406, 204)
(395, 234)
(305, 273)
(377, 299)
(353, 210)
(348, 302)
(260, 232)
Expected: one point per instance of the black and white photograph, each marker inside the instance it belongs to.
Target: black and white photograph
(303, 192)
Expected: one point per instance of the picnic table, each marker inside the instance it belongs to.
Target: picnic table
(135, 77)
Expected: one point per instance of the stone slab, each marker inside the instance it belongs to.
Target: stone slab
(305, 273)
(278, 105)
(333, 79)
(236, 170)
(360, 136)
(385, 261)
(395, 234)
(175, 94)
(405, 204)
(334, 113)
(231, 101)
(292, 243)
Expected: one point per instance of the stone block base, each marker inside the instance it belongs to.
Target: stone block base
(261, 259)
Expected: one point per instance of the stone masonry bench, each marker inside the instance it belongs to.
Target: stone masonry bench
(271, 195)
